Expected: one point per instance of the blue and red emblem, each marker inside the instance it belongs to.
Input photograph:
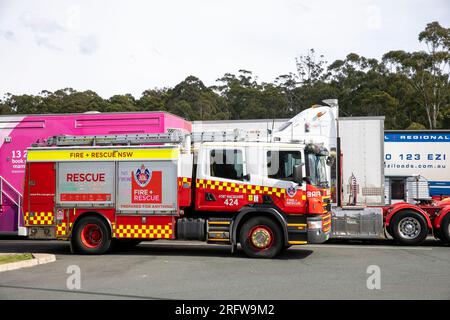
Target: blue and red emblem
(142, 176)
(291, 191)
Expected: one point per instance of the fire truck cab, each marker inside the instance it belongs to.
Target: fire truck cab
(99, 191)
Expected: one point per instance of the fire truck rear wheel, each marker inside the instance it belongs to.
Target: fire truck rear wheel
(409, 227)
(445, 229)
(261, 237)
(91, 236)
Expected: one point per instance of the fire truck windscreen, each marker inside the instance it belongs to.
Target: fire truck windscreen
(317, 173)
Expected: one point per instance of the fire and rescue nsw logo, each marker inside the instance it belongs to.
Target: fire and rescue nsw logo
(146, 186)
(291, 191)
(142, 176)
(294, 198)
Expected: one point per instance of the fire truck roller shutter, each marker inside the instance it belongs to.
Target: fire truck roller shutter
(147, 187)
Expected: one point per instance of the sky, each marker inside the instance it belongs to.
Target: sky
(118, 47)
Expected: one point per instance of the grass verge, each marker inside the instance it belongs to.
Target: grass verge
(15, 257)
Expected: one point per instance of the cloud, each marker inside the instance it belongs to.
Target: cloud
(46, 31)
(53, 34)
(88, 44)
(43, 41)
(8, 35)
(41, 24)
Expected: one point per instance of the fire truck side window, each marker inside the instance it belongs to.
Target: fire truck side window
(280, 164)
(227, 163)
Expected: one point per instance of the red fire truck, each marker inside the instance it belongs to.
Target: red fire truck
(97, 191)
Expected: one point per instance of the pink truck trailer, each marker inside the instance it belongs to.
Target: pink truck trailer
(18, 132)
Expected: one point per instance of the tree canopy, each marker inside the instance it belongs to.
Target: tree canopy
(411, 89)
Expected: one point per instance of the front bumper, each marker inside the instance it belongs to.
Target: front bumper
(318, 236)
(322, 230)
(303, 229)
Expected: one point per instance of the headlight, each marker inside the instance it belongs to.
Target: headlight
(315, 224)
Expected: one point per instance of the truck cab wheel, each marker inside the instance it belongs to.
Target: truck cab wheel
(91, 236)
(444, 232)
(409, 227)
(261, 237)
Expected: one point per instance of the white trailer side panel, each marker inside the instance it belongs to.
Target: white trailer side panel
(426, 153)
(362, 164)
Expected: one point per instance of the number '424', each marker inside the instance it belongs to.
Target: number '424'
(231, 202)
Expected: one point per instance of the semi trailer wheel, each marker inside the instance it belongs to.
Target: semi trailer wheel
(261, 237)
(409, 227)
(91, 236)
(445, 229)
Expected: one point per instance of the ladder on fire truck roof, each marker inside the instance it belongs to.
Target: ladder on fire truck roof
(172, 136)
(231, 136)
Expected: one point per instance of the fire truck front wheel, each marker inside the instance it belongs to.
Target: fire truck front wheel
(261, 237)
(409, 227)
(91, 236)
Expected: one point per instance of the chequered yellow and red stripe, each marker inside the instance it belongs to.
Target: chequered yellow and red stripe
(184, 180)
(39, 218)
(143, 231)
(238, 188)
(326, 222)
(61, 229)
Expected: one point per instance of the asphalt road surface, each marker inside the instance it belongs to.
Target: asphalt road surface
(194, 270)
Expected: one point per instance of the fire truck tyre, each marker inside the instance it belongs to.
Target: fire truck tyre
(409, 228)
(445, 229)
(91, 236)
(261, 237)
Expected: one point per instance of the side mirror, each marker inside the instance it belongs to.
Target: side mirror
(246, 177)
(298, 174)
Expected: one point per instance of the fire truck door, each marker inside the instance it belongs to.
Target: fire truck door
(223, 172)
(41, 184)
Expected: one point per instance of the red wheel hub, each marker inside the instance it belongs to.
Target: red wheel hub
(261, 237)
(91, 236)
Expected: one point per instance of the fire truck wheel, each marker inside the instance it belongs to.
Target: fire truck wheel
(409, 227)
(91, 236)
(445, 229)
(261, 237)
